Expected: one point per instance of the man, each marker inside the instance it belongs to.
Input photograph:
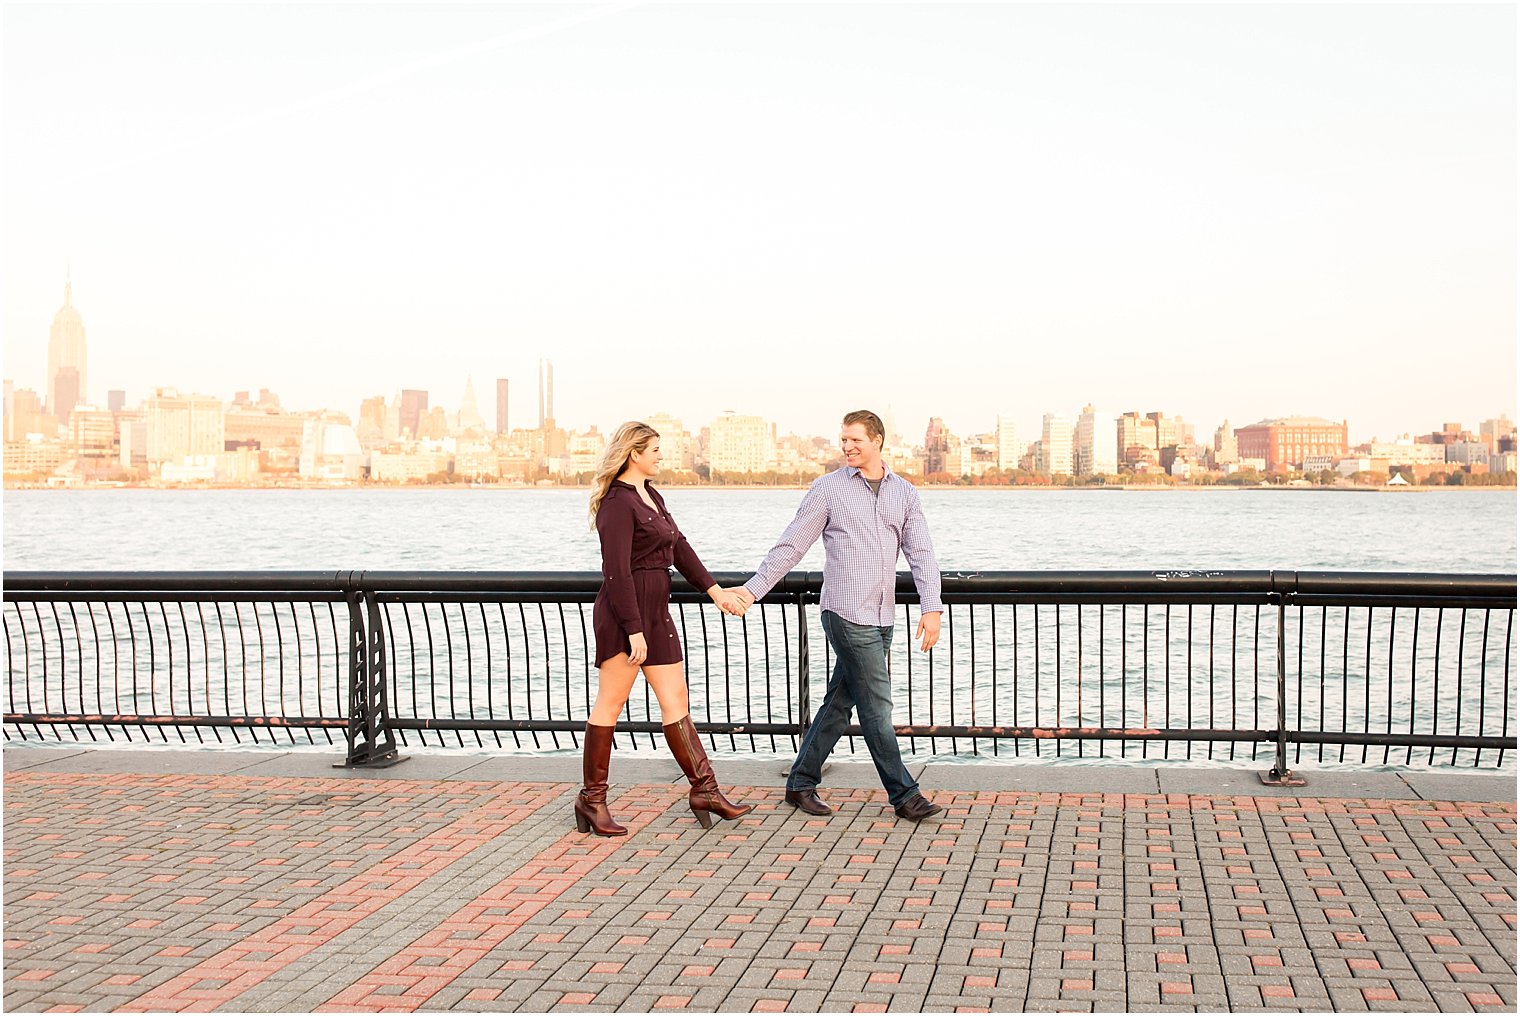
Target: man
(866, 515)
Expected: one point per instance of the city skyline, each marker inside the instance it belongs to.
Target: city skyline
(68, 324)
(973, 208)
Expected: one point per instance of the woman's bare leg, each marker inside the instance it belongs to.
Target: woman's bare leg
(614, 680)
(669, 683)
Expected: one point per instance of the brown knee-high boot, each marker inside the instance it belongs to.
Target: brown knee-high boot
(591, 814)
(705, 797)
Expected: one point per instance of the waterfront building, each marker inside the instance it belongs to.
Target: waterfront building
(1468, 453)
(265, 425)
(740, 444)
(1056, 433)
(1285, 442)
(501, 405)
(1404, 451)
(414, 406)
(66, 353)
(33, 457)
(92, 433)
(677, 447)
(903, 460)
(330, 451)
(1501, 462)
(1097, 443)
(475, 460)
(408, 466)
(183, 429)
(1008, 447)
(116, 400)
(1319, 463)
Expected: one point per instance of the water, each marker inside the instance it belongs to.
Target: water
(1438, 531)
(1462, 531)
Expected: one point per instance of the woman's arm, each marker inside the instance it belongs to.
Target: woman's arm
(614, 524)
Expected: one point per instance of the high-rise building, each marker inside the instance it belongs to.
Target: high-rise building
(66, 393)
(1494, 431)
(66, 350)
(1008, 450)
(469, 412)
(501, 405)
(677, 447)
(545, 394)
(414, 404)
(372, 420)
(183, 426)
(1226, 448)
(1097, 450)
(92, 433)
(1056, 434)
(116, 400)
(936, 446)
(1137, 441)
(740, 444)
(26, 415)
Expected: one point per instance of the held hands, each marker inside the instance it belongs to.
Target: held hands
(731, 601)
(928, 630)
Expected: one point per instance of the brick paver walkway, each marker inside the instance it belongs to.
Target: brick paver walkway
(177, 892)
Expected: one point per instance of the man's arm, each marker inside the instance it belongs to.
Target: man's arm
(806, 527)
(918, 548)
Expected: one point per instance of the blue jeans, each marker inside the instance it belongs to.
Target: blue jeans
(860, 681)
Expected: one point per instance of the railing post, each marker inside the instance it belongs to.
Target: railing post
(1280, 775)
(370, 742)
(804, 677)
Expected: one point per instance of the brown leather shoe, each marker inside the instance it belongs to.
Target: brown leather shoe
(917, 808)
(808, 801)
(591, 814)
(705, 798)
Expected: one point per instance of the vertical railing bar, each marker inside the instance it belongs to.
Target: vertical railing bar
(506, 639)
(99, 705)
(1017, 742)
(1367, 684)
(1482, 688)
(1081, 713)
(1213, 690)
(78, 652)
(1234, 664)
(1345, 677)
(992, 624)
(469, 669)
(1038, 747)
(184, 627)
(522, 614)
(221, 627)
(1414, 659)
(1166, 670)
(1435, 694)
(1393, 620)
(485, 632)
(564, 640)
(295, 624)
(1124, 675)
(1457, 722)
(1190, 695)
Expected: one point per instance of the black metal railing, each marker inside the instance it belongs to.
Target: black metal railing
(1280, 667)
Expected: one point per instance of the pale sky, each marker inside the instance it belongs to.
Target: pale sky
(1217, 211)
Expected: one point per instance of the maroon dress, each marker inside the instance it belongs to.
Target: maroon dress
(639, 544)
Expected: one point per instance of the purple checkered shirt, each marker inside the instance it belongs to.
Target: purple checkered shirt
(862, 535)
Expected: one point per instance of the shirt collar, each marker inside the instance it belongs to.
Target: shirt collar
(854, 471)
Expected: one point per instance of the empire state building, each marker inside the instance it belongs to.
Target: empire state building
(66, 377)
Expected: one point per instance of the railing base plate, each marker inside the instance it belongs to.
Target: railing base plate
(385, 761)
(1283, 778)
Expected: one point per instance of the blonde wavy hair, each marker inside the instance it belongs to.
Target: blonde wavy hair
(631, 437)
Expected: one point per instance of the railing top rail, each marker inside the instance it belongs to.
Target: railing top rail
(1147, 584)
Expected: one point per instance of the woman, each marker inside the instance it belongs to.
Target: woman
(633, 628)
